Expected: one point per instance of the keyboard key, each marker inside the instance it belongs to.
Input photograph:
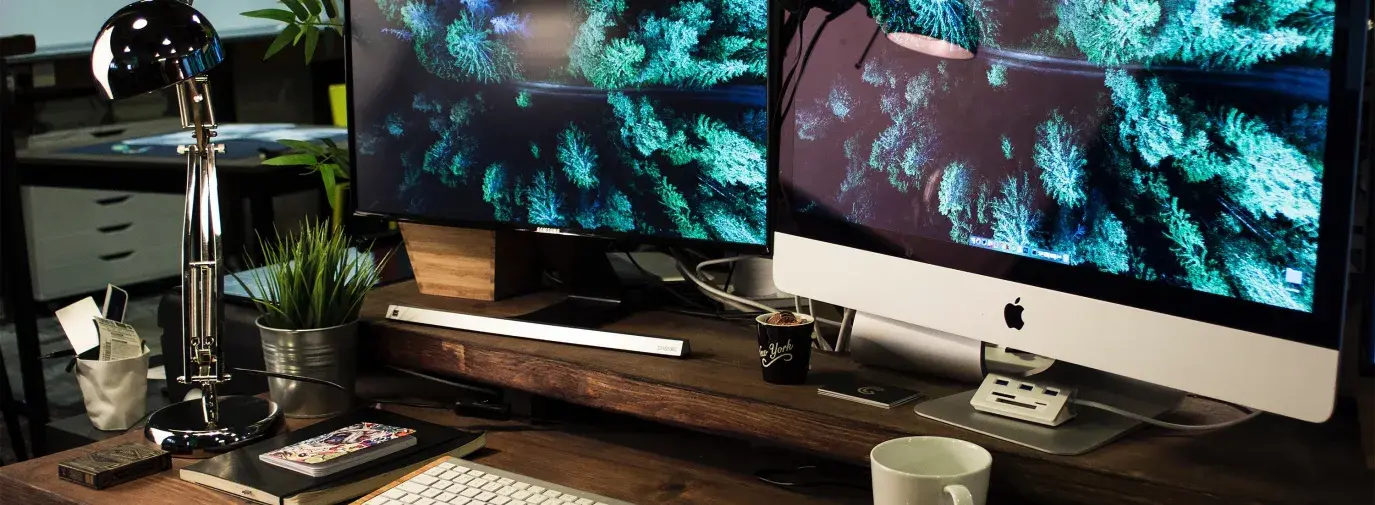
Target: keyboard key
(476, 473)
(410, 498)
(536, 489)
(424, 480)
(434, 472)
(445, 497)
(521, 486)
(492, 487)
(536, 499)
(599, 503)
(411, 486)
(425, 501)
(491, 477)
(471, 492)
(485, 496)
(394, 493)
(520, 495)
(431, 493)
(460, 500)
(552, 493)
(506, 491)
(463, 479)
(441, 485)
(568, 498)
(460, 469)
(505, 481)
(450, 475)
(446, 466)
(500, 500)
(378, 500)
(584, 501)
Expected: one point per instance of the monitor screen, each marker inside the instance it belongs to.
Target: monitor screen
(1173, 143)
(609, 117)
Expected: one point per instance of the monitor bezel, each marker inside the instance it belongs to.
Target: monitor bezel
(771, 176)
(1322, 327)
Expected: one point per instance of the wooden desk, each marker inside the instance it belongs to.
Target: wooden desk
(637, 462)
(719, 389)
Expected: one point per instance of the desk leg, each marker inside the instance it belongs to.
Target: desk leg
(18, 286)
(11, 410)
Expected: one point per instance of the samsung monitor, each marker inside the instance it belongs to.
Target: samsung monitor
(635, 119)
(1161, 190)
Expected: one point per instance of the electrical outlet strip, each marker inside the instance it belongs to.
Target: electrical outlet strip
(1026, 400)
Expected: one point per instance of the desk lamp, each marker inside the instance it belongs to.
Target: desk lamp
(943, 28)
(144, 47)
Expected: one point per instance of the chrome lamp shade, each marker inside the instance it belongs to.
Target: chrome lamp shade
(147, 46)
(152, 44)
(942, 28)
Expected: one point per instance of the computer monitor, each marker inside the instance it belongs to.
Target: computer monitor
(1160, 190)
(634, 119)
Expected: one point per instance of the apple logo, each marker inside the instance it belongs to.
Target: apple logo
(1012, 314)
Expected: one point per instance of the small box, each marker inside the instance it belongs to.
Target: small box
(114, 466)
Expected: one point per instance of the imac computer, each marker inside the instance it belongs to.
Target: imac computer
(1158, 190)
(632, 120)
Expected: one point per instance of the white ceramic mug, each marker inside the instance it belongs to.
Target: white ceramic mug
(929, 471)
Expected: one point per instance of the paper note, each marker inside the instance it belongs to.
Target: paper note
(76, 323)
(117, 340)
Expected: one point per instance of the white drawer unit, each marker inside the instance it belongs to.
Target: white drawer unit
(80, 240)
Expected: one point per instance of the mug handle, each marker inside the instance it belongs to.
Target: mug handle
(959, 495)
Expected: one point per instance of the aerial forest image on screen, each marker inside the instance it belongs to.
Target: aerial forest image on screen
(1178, 142)
(632, 116)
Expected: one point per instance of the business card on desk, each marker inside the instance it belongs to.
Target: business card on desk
(868, 392)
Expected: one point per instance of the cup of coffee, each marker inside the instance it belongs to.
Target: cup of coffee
(929, 471)
(785, 346)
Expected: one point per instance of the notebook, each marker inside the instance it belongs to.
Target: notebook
(241, 473)
(341, 449)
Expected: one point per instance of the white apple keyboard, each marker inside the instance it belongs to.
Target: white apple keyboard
(462, 482)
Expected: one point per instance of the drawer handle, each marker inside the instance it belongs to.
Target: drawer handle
(114, 200)
(115, 228)
(117, 256)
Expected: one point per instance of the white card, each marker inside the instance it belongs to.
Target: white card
(76, 323)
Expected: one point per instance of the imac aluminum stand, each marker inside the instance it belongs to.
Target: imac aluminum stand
(1089, 430)
(887, 343)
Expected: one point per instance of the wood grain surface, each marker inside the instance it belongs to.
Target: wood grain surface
(633, 461)
(719, 390)
(473, 264)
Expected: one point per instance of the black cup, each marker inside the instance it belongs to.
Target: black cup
(785, 350)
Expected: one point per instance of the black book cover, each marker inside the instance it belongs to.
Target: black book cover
(868, 392)
(241, 472)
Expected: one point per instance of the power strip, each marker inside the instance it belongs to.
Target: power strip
(1029, 401)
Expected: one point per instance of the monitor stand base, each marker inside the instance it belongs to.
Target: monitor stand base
(1089, 430)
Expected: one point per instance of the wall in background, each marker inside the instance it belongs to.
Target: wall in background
(64, 27)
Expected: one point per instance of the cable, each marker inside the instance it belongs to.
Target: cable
(727, 298)
(1168, 425)
(659, 282)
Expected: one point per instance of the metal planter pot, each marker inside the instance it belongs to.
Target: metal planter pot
(326, 353)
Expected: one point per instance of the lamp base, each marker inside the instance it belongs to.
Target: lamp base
(180, 428)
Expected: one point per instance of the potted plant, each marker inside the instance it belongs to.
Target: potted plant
(310, 287)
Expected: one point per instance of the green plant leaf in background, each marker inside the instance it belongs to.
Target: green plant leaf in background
(312, 39)
(305, 19)
(286, 37)
(301, 12)
(282, 15)
(292, 160)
